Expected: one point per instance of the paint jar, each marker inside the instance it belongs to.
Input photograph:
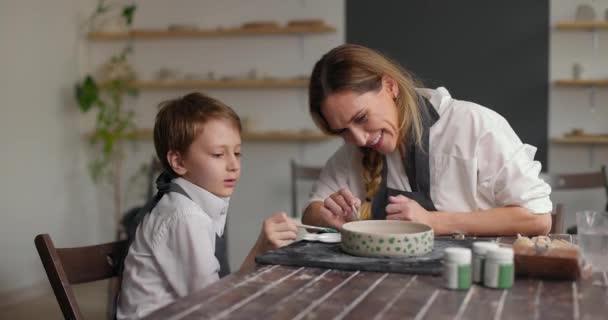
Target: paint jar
(457, 268)
(499, 271)
(479, 258)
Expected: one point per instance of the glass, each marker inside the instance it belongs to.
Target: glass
(592, 231)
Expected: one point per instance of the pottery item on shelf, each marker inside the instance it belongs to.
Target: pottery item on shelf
(260, 25)
(252, 74)
(194, 76)
(182, 27)
(116, 69)
(387, 238)
(306, 23)
(575, 132)
(577, 71)
(584, 12)
(167, 74)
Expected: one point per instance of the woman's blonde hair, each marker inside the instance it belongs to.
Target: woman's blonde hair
(356, 68)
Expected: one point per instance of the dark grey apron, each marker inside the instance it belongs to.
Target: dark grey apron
(132, 221)
(416, 164)
(164, 185)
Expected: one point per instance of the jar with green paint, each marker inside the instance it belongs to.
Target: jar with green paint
(480, 249)
(457, 268)
(499, 270)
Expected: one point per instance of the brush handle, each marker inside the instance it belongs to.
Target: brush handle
(355, 213)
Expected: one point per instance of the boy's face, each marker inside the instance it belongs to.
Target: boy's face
(213, 161)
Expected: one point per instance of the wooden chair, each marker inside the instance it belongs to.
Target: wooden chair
(300, 172)
(67, 266)
(570, 182)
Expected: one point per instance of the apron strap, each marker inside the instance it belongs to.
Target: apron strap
(417, 169)
(165, 185)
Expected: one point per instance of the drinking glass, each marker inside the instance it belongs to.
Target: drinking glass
(592, 229)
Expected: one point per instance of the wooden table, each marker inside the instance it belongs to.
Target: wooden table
(279, 292)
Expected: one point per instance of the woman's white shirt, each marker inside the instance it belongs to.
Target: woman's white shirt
(173, 253)
(476, 162)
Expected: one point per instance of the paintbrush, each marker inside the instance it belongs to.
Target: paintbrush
(322, 229)
(355, 212)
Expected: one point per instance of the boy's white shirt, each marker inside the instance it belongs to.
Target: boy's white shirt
(173, 253)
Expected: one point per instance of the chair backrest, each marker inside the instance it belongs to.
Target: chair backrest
(300, 172)
(67, 266)
(574, 181)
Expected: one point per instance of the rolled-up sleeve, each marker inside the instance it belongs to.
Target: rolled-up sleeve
(508, 173)
(333, 176)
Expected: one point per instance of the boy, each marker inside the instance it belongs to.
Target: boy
(173, 253)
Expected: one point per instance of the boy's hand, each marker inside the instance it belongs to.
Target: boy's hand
(278, 231)
(338, 208)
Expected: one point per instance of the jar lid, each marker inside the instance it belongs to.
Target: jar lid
(500, 254)
(481, 247)
(457, 255)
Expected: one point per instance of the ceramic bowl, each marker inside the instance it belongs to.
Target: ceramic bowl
(387, 238)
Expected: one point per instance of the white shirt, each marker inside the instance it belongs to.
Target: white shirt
(173, 253)
(476, 162)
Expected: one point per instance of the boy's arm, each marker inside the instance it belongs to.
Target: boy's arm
(278, 230)
(249, 262)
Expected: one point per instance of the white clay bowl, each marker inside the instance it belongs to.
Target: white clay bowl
(384, 238)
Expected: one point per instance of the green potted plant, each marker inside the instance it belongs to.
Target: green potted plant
(105, 94)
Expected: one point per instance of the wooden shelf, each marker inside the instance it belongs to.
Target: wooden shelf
(286, 136)
(582, 83)
(589, 139)
(264, 136)
(155, 34)
(582, 26)
(221, 84)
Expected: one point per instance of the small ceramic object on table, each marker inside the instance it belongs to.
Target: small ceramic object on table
(387, 238)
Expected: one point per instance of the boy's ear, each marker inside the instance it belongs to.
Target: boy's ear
(176, 162)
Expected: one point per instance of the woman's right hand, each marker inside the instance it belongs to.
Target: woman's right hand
(337, 209)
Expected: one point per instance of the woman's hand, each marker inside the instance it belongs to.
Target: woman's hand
(403, 208)
(278, 231)
(338, 208)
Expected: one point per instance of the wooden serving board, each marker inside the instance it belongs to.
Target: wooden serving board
(324, 255)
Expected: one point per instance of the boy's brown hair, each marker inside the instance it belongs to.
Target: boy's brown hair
(179, 121)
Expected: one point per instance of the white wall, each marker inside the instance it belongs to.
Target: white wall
(45, 186)
(570, 108)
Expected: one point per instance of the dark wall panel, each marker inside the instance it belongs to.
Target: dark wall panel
(494, 53)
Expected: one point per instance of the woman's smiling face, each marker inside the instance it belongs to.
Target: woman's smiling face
(367, 119)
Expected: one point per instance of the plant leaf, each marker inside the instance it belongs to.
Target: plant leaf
(128, 12)
(87, 93)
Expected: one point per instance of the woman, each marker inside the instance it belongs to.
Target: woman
(418, 154)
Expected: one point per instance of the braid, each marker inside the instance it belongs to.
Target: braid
(372, 167)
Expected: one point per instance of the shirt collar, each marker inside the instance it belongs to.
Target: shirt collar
(214, 206)
(437, 97)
